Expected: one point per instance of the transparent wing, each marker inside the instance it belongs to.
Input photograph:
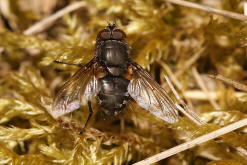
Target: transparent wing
(82, 85)
(151, 96)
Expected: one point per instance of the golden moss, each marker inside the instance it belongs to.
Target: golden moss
(158, 32)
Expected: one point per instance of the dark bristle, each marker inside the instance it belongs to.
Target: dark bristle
(111, 26)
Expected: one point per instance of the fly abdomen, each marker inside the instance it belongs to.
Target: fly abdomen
(114, 85)
(112, 102)
(113, 94)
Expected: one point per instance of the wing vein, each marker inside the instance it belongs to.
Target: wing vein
(151, 96)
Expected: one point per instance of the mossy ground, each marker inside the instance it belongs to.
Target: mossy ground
(160, 34)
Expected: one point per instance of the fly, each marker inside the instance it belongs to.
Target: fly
(114, 79)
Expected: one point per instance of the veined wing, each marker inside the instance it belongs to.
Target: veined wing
(82, 85)
(150, 95)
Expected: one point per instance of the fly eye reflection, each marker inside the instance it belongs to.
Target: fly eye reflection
(104, 34)
(118, 34)
(115, 34)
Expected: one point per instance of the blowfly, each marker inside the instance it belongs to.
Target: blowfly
(114, 79)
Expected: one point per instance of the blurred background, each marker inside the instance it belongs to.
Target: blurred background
(167, 39)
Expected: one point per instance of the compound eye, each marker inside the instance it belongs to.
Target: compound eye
(118, 34)
(104, 34)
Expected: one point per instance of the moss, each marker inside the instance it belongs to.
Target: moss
(158, 32)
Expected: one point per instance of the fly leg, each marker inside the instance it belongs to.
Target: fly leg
(89, 117)
(59, 62)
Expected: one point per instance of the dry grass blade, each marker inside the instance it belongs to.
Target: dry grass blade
(199, 95)
(203, 87)
(171, 75)
(190, 62)
(245, 7)
(229, 82)
(187, 111)
(192, 143)
(42, 25)
(242, 151)
(209, 9)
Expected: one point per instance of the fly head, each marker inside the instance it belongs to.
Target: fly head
(111, 32)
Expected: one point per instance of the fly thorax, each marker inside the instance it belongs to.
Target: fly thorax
(116, 71)
(114, 53)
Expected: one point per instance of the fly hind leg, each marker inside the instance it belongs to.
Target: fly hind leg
(89, 117)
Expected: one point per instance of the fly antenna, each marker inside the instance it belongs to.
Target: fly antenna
(111, 26)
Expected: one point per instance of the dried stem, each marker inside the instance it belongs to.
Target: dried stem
(245, 13)
(192, 143)
(203, 87)
(187, 65)
(199, 95)
(186, 111)
(171, 75)
(245, 7)
(46, 22)
(229, 82)
(242, 151)
(238, 86)
(209, 9)
(190, 62)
